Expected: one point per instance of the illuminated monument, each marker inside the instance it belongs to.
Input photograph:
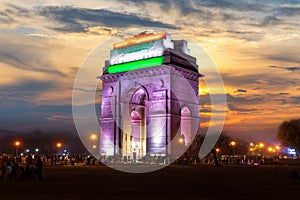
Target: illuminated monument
(147, 108)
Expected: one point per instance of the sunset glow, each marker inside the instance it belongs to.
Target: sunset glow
(252, 43)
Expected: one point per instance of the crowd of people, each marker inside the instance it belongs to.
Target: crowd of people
(12, 168)
(29, 167)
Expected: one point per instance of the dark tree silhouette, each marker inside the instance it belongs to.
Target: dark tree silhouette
(289, 134)
(222, 139)
(44, 141)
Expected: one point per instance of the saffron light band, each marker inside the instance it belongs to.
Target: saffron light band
(140, 39)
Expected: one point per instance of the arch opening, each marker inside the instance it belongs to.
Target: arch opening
(134, 140)
(186, 126)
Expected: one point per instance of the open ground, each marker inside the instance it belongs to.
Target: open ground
(172, 182)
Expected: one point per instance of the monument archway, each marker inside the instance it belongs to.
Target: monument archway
(186, 126)
(141, 112)
(134, 129)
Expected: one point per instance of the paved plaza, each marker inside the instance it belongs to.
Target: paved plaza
(173, 182)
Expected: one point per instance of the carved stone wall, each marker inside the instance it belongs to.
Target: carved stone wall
(155, 90)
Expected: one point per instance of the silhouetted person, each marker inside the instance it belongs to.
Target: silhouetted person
(39, 166)
(52, 161)
(134, 156)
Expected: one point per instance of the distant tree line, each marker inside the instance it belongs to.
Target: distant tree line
(45, 142)
(289, 134)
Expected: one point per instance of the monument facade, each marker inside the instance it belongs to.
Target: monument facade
(149, 97)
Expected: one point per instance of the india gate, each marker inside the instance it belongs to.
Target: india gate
(149, 97)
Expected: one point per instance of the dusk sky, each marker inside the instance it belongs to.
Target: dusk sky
(254, 44)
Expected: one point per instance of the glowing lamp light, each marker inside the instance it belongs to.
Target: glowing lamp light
(140, 64)
(261, 145)
(94, 146)
(93, 137)
(181, 140)
(291, 151)
(217, 150)
(58, 145)
(233, 143)
(251, 149)
(270, 149)
(251, 144)
(17, 143)
(277, 147)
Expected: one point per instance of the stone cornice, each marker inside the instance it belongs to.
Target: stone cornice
(153, 71)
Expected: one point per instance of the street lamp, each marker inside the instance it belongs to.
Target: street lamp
(17, 144)
(58, 145)
(261, 145)
(270, 149)
(232, 143)
(93, 137)
(180, 140)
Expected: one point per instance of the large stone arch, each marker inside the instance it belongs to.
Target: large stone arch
(161, 93)
(133, 136)
(185, 125)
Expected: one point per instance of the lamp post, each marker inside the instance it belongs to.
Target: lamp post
(270, 149)
(260, 147)
(181, 140)
(251, 148)
(232, 144)
(93, 137)
(181, 145)
(58, 145)
(17, 144)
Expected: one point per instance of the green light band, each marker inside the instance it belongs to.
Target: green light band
(139, 64)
